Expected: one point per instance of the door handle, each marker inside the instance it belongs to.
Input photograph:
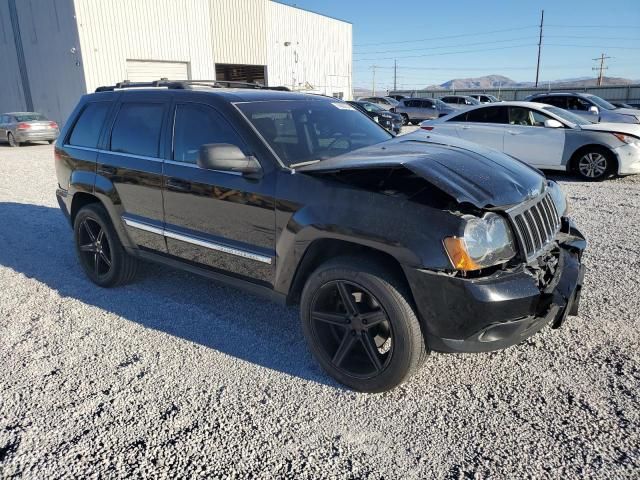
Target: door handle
(466, 127)
(512, 132)
(178, 185)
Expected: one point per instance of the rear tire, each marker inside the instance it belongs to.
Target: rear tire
(360, 326)
(99, 250)
(405, 119)
(594, 164)
(12, 140)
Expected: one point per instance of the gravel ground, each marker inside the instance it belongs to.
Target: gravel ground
(177, 376)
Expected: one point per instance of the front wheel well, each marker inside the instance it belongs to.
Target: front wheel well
(573, 162)
(323, 250)
(80, 200)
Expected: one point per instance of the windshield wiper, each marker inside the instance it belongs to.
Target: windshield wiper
(302, 164)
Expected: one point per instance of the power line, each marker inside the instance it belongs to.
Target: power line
(446, 36)
(592, 46)
(445, 53)
(635, 27)
(444, 46)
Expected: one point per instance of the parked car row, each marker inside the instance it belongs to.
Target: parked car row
(389, 120)
(547, 137)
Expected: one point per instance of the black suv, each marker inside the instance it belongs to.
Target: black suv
(392, 246)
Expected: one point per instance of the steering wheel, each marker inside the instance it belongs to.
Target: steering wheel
(340, 136)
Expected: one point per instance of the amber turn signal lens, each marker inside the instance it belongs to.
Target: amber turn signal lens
(457, 251)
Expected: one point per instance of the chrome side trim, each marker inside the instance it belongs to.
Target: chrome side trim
(217, 247)
(97, 150)
(143, 226)
(196, 241)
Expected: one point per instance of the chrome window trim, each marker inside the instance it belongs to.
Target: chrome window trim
(98, 150)
(196, 241)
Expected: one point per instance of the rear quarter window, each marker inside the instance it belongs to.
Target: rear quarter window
(86, 131)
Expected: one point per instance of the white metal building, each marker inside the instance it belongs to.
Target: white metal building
(53, 51)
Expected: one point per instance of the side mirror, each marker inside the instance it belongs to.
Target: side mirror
(228, 158)
(552, 123)
(593, 109)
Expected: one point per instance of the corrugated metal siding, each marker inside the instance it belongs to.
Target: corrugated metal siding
(11, 95)
(146, 71)
(48, 38)
(239, 31)
(318, 57)
(160, 30)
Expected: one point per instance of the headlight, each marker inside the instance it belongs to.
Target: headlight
(559, 198)
(628, 139)
(486, 241)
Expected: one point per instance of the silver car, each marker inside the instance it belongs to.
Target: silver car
(590, 107)
(17, 128)
(385, 102)
(484, 98)
(461, 101)
(415, 110)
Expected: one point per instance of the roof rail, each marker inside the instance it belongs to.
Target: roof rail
(187, 84)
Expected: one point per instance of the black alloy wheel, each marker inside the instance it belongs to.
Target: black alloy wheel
(359, 324)
(99, 250)
(94, 248)
(352, 329)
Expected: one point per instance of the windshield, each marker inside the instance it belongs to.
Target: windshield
(567, 116)
(29, 117)
(601, 102)
(301, 131)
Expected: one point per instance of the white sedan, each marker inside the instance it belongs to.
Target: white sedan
(547, 137)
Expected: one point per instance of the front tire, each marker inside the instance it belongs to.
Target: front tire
(99, 250)
(360, 326)
(594, 164)
(405, 119)
(12, 140)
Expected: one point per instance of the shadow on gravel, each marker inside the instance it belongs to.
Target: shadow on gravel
(37, 242)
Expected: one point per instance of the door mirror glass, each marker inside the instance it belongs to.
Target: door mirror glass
(552, 123)
(228, 158)
(593, 109)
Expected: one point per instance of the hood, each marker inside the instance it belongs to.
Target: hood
(628, 128)
(627, 111)
(468, 172)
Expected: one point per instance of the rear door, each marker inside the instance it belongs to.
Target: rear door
(219, 219)
(529, 140)
(428, 109)
(131, 165)
(485, 126)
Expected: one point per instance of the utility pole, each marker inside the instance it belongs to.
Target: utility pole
(539, 47)
(601, 68)
(395, 75)
(373, 82)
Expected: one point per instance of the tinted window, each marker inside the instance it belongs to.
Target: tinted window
(412, 103)
(86, 132)
(559, 101)
(197, 125)
(488, 115)
(137, 129)
(576, 103)
(426, 104)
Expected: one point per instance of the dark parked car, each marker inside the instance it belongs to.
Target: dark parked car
(21, 127)
(484, 98)
(393, 246)
(389, 120)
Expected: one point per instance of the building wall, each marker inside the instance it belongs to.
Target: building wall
(318, 55)
(112, 32)
(50, 45)
(11, 95)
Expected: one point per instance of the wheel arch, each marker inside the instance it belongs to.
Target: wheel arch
(324, 249)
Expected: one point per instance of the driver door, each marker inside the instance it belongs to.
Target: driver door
(219, 219)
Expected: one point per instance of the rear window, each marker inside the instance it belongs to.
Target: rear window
(30, 117)
(86, 131)
(137, 129)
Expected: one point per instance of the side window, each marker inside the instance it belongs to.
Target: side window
(196, 125)
(86, 132)
(576, 103)
(560, 102)
(137, 129)
(427, 104)
(488, 115)
(459, 118)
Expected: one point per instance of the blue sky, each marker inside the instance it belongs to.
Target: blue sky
(437, 41)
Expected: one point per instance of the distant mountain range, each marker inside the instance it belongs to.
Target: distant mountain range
(500, 81)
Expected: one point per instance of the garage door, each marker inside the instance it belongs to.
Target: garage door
(146, 71)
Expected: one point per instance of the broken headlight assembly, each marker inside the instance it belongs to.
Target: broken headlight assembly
(559, 198)
(485, 242)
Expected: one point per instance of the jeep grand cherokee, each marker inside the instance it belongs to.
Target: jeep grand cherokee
(393, 247)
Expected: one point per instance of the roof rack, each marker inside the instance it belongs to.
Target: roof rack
(187, 85)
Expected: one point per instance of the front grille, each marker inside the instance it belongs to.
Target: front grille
(536, 225)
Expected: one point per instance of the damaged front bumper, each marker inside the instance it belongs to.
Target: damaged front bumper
(502, 309)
